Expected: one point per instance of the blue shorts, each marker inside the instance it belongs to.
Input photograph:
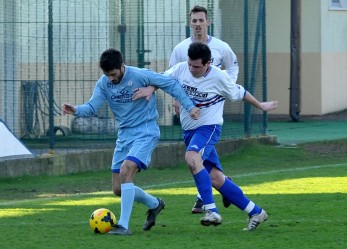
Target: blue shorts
(136, 144)
(203, 141)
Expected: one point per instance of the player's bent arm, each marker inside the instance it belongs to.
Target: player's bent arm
(264, 106)
(176, 106)
(194, 113)
(144, 92)
(230, 63)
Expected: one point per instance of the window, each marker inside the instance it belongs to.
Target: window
(338, 5)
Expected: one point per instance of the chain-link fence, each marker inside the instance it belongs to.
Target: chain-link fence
(49, 52)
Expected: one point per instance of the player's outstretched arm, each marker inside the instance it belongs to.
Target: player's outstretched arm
(264, 106)
(269, 106)
(68, 109)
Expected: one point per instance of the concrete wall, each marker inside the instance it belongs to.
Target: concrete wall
(324, 56)
(165, 155)
(334, 58)
(311, 58)
(278, 48)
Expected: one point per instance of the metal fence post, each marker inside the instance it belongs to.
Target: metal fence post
(51, 76)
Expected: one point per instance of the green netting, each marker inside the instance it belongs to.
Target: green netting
(49, 51)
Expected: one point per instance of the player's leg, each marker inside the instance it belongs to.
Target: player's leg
(235, 195)
(198, 143)
(211, 162)
(198, 206)
(125, 179)
(134, 147)
(126, 175)
(141, 151)
(119, 189)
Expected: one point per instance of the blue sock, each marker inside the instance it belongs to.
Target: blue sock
(236, 196)
(252, 209)
(198, 197)
(145, 198)
(204, 185)
(127, 202)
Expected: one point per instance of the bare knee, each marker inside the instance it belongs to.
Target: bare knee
(217, 178)
(194, 161)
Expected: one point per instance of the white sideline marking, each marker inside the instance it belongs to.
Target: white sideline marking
(255, 174)
(12, 202)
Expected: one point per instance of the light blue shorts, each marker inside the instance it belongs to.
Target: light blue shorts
(203, 140)
(136, 144)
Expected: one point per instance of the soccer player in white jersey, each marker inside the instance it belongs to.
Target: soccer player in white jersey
(208, 86)
(138, 131)
(222, 57)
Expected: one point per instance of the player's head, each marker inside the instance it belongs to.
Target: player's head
(199, 20)
(198, 9)
(199, 58)
(111, 63)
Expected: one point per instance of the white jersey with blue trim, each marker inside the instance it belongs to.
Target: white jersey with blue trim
(127, 112)
(208, 92)
(222, 55)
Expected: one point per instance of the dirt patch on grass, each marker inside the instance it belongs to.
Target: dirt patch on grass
(331, 148)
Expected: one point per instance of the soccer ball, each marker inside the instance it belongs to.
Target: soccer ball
(102, 220)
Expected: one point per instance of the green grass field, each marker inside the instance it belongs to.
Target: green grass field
(303, 189)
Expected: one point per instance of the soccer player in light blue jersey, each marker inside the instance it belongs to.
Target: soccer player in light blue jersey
(209, 87)
(138, 131)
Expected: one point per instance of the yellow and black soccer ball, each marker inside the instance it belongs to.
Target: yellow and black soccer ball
(102, 220)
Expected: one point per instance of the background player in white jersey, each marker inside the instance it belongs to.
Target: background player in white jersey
(208, 86)
(138, 131)
(222, 57)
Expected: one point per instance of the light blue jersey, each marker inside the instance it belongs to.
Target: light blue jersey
(138, 132)
(130, 113)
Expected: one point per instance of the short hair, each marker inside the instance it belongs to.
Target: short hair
(199, 50)
(111, 59)
(198, 8)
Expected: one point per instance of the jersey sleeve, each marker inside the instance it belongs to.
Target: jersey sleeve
(230, 63)
(180, 52)
(229, 88)
(90, 107)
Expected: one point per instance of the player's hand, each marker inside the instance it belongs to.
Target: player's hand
(268, 106)
(194, 113)
(176, 106)
(143, 92)
(68, 109)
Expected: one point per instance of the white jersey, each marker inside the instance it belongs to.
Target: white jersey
(208, 93)
(222, 55)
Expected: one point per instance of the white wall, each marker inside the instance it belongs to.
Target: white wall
(323, 58)
(334, 58)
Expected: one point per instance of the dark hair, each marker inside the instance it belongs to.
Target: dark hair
(111, 59)
(198, 8)
(199, 50)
